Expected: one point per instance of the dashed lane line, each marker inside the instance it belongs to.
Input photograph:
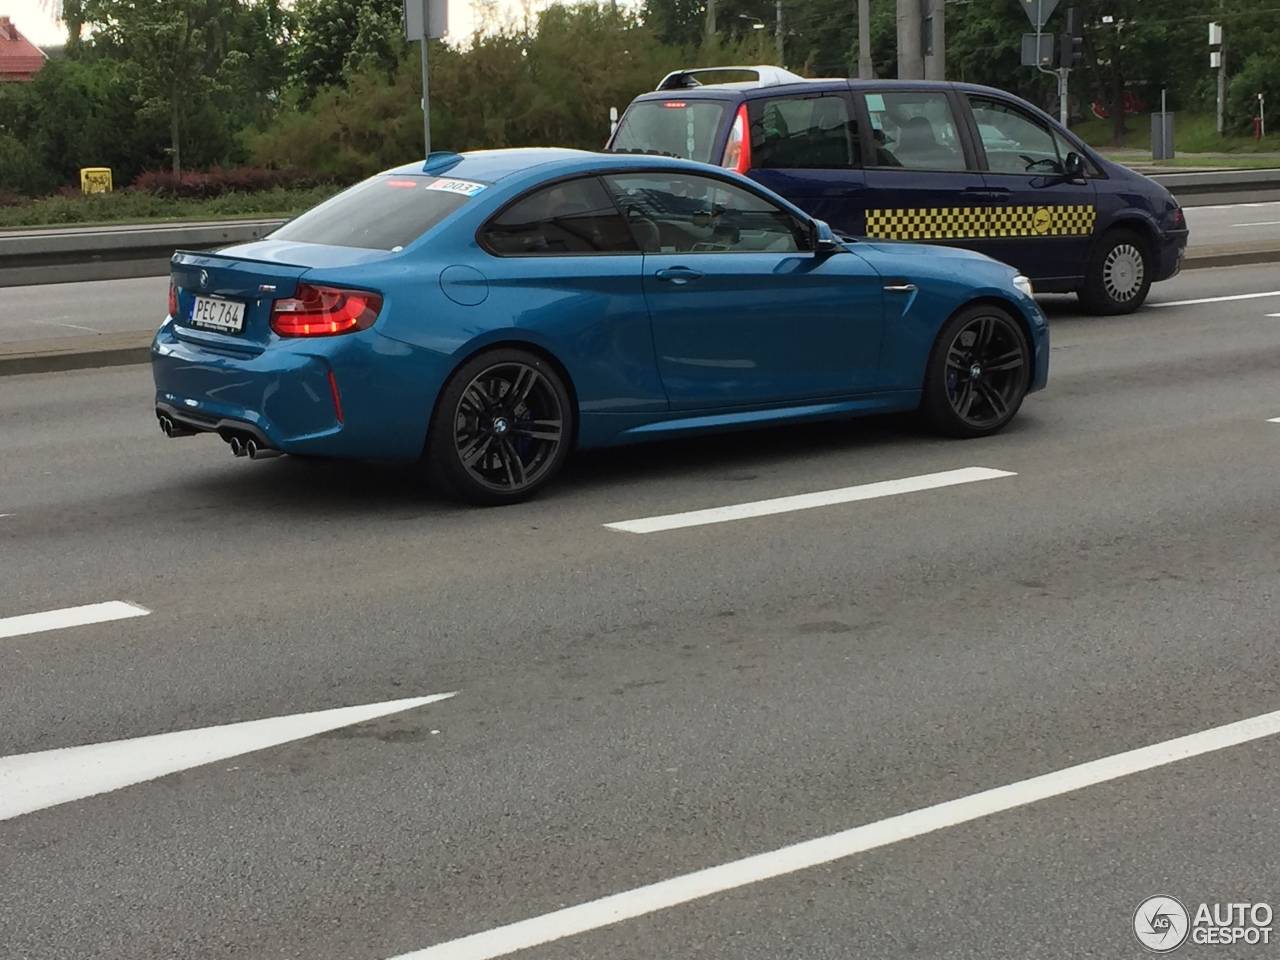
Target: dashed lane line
(642, 901)
(1235, 296)
(69, 617)
(807, 501)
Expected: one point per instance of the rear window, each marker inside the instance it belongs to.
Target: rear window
(676, 127)
(385, 213)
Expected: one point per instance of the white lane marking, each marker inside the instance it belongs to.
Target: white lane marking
(35, 781)
(1234, 206)
(1273, 314)
(502, 941)
(1237, 296)
(1274, 420)
(69, 617)
(806, 501)
(1259, 223)
(3, 515)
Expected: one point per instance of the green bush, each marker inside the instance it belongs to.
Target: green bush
(1260, 74)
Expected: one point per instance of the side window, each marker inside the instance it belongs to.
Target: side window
(684, 213)
(914, 129)
(572, 217)
(1014, 142)
(804, 132)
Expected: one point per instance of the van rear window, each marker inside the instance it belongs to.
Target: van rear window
(384, 213)
(677, 127)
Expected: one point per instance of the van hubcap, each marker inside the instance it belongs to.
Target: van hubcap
(1123, 273)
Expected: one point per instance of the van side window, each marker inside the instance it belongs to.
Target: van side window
(804, 132)
(1014, 142)
(914, 129)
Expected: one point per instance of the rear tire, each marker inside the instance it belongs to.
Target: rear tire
(978, 373)
(501, 430)
(1119, 276)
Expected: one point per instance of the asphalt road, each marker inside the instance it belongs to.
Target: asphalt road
(630, 708)
(49, 311)
(1233, 223)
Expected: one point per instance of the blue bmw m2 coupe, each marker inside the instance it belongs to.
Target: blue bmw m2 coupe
(484, 314)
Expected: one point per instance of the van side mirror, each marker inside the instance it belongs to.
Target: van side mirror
(1073, 166)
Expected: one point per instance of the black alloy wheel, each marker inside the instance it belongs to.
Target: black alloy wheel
(978, 373)
(502, 428)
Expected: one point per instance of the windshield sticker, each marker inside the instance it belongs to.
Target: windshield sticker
(875, 103)
(465, 187)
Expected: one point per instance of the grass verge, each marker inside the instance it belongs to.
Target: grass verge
(1192, 133)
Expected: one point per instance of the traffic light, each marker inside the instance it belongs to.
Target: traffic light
(1071, 53)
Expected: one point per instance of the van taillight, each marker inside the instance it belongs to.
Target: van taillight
(315, 311)
(737, 152)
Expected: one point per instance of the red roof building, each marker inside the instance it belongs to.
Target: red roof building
(19, 57)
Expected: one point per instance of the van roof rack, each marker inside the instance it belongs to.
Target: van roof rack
(765, 76)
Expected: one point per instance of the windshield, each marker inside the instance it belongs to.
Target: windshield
(385, 213)
(677, 128)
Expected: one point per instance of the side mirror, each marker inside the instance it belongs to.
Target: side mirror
(821, 237)
(1073, 166)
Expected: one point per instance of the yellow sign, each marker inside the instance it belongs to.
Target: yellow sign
(95, 179)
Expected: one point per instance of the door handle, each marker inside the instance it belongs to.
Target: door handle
(996, 195)
(677, 275)
(900, 286)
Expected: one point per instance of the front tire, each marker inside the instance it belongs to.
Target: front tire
(501, 430)
(1119, 276)
(978, 373)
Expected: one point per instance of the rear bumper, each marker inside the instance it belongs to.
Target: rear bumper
(284, 396)
(1169, 253)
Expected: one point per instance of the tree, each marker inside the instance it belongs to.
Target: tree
(332, 39)
(172, 48)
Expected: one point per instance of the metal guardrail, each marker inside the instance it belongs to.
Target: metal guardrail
(29, 257)
(45, 255)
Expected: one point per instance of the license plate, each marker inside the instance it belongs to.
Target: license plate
(213, 313)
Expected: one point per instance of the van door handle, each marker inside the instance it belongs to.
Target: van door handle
(997, 195)
(678, 275)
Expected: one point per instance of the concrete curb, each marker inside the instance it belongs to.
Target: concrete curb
(76, 353)
(134, 347)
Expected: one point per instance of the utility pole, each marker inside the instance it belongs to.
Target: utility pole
(1218, 58)
(777, 30)
(711, 21)
(866, 67)
(910, 28)
(935, 61)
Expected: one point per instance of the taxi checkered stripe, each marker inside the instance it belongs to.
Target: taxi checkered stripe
(968, 223)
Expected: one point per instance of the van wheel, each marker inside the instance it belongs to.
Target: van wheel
(1119, 275)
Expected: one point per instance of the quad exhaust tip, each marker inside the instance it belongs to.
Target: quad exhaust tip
(251, 448)
(171, 429)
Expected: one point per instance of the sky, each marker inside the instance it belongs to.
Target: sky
(38, 27)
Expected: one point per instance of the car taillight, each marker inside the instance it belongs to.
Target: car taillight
(737, 152)
(173, 299)
(315, 311)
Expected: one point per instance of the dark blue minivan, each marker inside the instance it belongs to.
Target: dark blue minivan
(929, 161)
